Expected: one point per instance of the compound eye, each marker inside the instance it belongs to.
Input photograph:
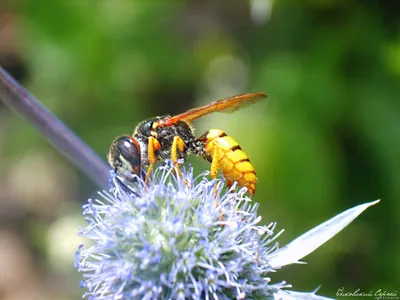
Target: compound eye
(128, 149)
(125, 157)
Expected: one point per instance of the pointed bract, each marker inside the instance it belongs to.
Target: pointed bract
(311, 240)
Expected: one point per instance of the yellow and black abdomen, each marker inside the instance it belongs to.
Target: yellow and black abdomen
(230, 159)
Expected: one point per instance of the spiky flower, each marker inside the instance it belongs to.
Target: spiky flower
(187, 238)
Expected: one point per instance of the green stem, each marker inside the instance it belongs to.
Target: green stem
(62, 138)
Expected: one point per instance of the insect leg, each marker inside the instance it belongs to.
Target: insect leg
(214, 171)
(177, 144)
(214, 160)
(153, 149)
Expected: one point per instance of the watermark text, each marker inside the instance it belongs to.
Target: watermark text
(379, 294)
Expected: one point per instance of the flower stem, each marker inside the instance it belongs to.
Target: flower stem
(61, 137)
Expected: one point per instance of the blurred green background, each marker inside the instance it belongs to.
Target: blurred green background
(327, 138)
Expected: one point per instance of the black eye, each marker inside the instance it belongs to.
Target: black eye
(129, 150)
(124, 155)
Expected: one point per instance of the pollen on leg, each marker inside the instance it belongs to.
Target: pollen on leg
(177, 144)
(153, 147)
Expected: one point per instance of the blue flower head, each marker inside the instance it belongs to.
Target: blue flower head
(178, 237)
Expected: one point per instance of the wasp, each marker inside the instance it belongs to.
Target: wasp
(172, 137)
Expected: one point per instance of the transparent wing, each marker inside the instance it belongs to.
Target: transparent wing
(227, 105)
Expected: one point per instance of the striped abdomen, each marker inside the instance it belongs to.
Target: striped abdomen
(231, 159)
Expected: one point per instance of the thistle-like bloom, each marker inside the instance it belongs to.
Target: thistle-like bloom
(187, 238)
